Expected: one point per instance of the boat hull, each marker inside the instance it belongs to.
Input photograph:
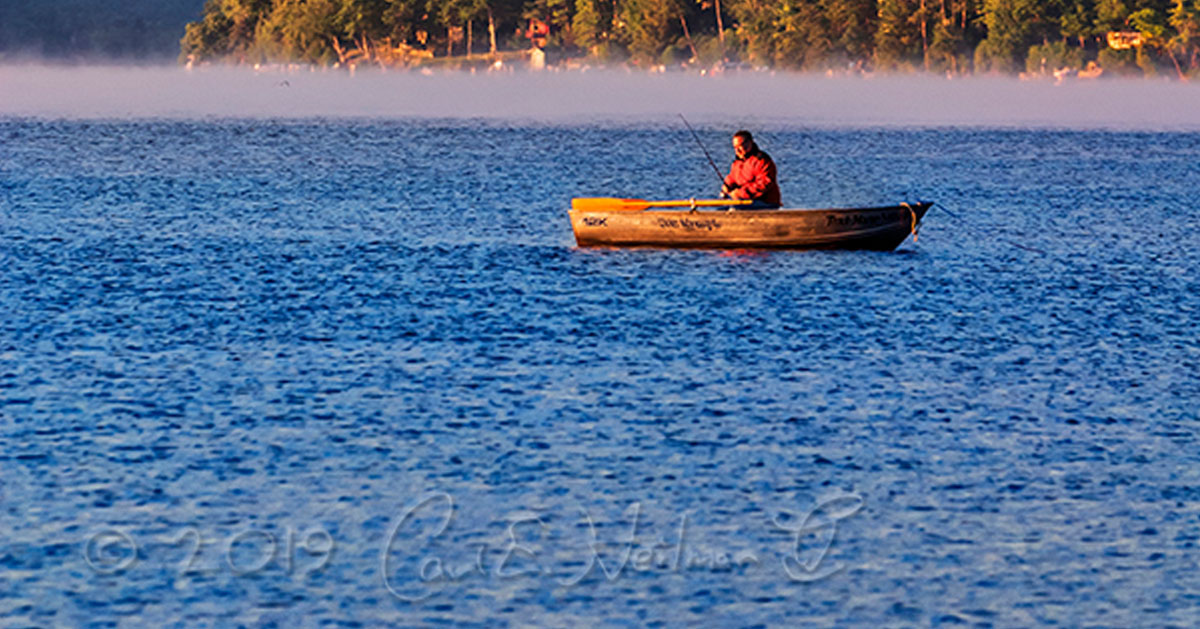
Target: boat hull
(876, 228)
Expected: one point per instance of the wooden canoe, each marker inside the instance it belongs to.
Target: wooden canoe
(878, 228)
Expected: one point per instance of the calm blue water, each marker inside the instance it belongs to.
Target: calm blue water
(355, 373)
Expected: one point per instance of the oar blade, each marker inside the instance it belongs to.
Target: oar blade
(608, 204)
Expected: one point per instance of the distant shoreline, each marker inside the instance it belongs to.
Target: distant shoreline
(480, 68)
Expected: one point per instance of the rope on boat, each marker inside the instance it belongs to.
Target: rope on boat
(913, 214)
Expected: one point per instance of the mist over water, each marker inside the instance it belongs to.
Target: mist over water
(733, 99)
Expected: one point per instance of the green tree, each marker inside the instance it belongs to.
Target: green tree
(1148, 23)
(850, 25)
(651, 26)
(227, 29)
(457, 14)
(589, 25)
(801, 39)
(207, 38)
(300, 30)
(1011, 30)
(955, 36)
(1077, 21)
(805, 34)
(944, 50)
(245, 16)
(754, 28)
(1158, 36)
(1046, 58)
(362, 18)
(898, 37)
(1111, 15)
(403, 19)
(1185, 19)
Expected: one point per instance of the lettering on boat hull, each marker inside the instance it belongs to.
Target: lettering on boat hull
(863, 220)
(689, 224)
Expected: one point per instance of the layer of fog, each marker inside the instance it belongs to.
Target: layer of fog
(171, 92)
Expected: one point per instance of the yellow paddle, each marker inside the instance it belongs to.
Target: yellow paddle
(611, 204)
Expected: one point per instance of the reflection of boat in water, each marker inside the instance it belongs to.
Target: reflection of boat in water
(636, 225)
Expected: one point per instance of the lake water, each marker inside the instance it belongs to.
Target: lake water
(354, 372)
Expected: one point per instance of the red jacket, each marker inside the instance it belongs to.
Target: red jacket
(753, 177)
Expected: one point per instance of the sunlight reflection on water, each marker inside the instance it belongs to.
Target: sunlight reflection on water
(236, 353)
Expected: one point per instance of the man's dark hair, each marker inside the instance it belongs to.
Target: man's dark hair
(745, 136)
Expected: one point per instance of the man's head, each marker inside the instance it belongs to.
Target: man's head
(743, 144)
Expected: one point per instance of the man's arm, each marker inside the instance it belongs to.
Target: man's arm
(762, 174)
(729, 185)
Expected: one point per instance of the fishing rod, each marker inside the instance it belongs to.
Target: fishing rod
(710, 159)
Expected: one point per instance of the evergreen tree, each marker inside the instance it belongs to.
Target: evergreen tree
(1011, 30)
(589, 24)
(1185, 20)
(456, 16)
(652, 26)
(1158, 37)
(227, 29)
(207, 38)
(754, 28)
(898, 38)
(404, 19)
(801, 39)
(300, 30)
(358, 19)
(1111, 15)
(944, 50)
(850, 27)
(1077, 21)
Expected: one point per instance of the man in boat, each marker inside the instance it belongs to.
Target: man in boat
(752, 175)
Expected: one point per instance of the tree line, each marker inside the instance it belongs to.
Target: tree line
(81, 30)
(945, 36)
